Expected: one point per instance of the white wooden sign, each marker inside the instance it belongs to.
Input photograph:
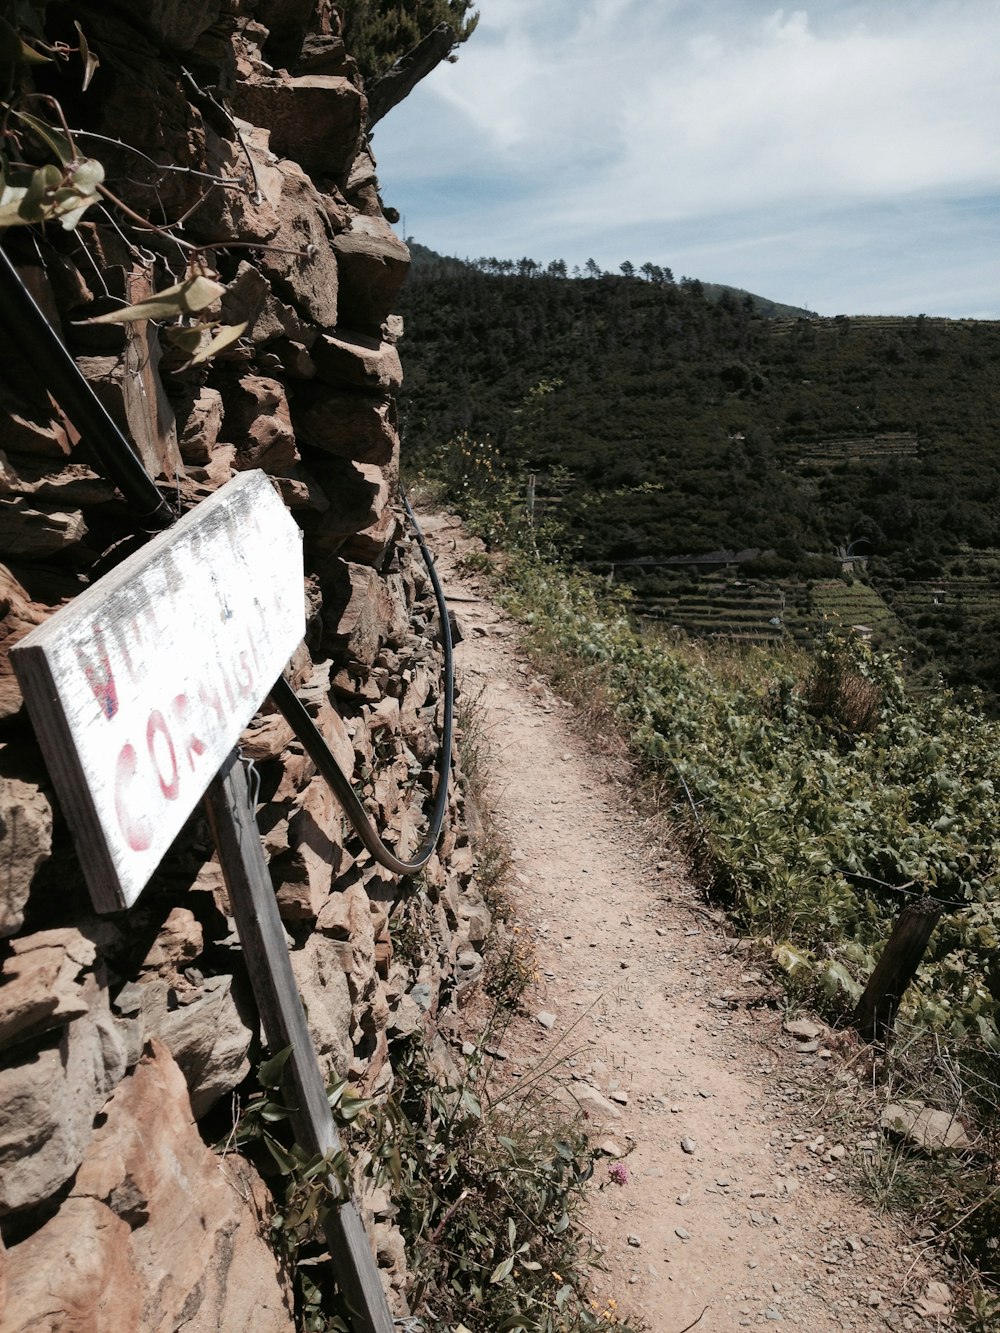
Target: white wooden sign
(140, 687)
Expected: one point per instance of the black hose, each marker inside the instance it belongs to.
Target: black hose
(29, 329)
(31, 332)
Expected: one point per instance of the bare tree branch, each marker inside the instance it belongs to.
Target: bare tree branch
(406, 73)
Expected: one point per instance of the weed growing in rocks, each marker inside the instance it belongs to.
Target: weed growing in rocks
(487, 1184)
(305, 1188)
(488, 1191)
(493, 854)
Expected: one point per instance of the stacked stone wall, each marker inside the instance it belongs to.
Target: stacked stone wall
(124, 1036)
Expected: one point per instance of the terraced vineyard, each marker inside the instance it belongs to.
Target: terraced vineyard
(766, 611)
(858, 449)
(717, 606)
(838, 605)
(948, 599)
(955, 618)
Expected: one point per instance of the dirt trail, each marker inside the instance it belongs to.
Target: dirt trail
(730, 1206)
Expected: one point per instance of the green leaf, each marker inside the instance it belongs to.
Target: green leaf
(306, 1211)
(791, 960)
(44, 182)
(53, 138)
(351, 1107)
(184, 298)
(11, 199)
(501, 1271)
(15, 50)
(269, 1073)
(273, 1113)
(336, 1091)
(284, 1160)
(73, 200)
(836, 978)
(186, 339)
(90, 61)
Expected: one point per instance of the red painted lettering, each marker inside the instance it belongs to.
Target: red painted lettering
(170, 784)
(136, 829)
(192, 745)
(99, 675)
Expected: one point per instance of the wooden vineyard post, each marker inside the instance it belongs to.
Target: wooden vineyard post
(876, 1010)
(255, 910)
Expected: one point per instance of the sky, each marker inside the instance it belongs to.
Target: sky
(843, 156)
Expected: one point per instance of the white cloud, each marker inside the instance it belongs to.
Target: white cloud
(588, 118)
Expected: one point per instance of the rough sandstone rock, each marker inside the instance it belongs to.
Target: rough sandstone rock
(323, 53)
(307, 277)
(49, 1100)
(179, 23)
(266, 736)
(179, 942)
(34, 430)
(25, 843)
(199, 416)
(35, 532)
(249, 299)
(41, 986)
(314, 694)
(371, 545)
(357, 361)
(315, 851)
(357, 426)
(358, 494)
(932, 1130)
(158, 1232)
(373, 263)
(300, 490)
(149, 95)
(471, 917)
(367, 611)
(323, 985)
(207, 1032)
(18, 616)
(315, 119)
(73, 484)
(258, 422)
(587, 1101)
(251, 212)
(74, 1275)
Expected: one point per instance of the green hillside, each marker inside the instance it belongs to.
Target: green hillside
(663, 424)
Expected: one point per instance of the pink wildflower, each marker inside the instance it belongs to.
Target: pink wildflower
(618, 1172)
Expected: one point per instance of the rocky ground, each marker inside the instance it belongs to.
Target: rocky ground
(724, 1197)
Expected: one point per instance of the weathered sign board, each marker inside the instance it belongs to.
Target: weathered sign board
(140, 687)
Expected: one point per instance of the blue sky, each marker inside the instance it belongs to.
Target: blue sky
(842, 156)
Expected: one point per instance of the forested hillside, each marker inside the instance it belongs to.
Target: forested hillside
(667, 419)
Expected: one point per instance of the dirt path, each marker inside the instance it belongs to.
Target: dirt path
(734, 1205)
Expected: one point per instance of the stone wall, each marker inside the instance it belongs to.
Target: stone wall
(122, 1037)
